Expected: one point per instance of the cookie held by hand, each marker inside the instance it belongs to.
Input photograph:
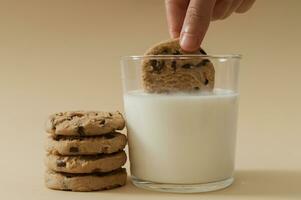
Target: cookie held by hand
(176, 74)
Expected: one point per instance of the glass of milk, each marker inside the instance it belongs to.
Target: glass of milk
(182, 142)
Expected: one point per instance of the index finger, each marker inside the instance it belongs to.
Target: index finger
(196, 23)
(175, 14)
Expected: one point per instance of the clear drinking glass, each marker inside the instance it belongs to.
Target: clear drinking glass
(182, 142)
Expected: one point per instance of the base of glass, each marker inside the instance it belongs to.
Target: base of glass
(182, 188)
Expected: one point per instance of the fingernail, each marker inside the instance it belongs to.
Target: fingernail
(189, 42)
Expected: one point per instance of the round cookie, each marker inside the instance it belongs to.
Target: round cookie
(72, 145)
(84, 123)
(86, 164)
(85, 182)
(179, 74)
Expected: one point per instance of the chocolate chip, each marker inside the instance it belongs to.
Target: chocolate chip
(206, 82)
(81, 131)
(110, 114)
(203, 52)
(96, 170)
(57, 137)
(157, 65)
(109, 136)
(162, 64)
(73, 150)
(153, 62)
(105, 149)
(102, 122)
(187, 66)
(60, 163)
(78, 115)
(165, 51)
(203, 63)
(174, 66)
(196, 88)
(176, 52)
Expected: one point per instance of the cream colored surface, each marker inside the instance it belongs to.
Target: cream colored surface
(64, 54)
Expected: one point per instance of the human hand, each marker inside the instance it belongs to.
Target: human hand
(190, 19)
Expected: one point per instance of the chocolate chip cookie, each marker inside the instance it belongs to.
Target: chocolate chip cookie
(176, 74)
(77, 145)
(85, 182)
(87, 163)
(84, 123)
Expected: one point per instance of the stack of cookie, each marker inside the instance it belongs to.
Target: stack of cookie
(84, 151)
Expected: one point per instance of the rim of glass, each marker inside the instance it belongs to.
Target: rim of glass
(180, 57)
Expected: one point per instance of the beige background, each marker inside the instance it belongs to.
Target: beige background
(64, 55)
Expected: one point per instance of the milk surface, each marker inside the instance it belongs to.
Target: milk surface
(181, 138)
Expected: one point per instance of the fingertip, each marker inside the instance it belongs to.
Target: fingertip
(189, 42)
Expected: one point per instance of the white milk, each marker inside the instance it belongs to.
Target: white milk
(181, 139)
